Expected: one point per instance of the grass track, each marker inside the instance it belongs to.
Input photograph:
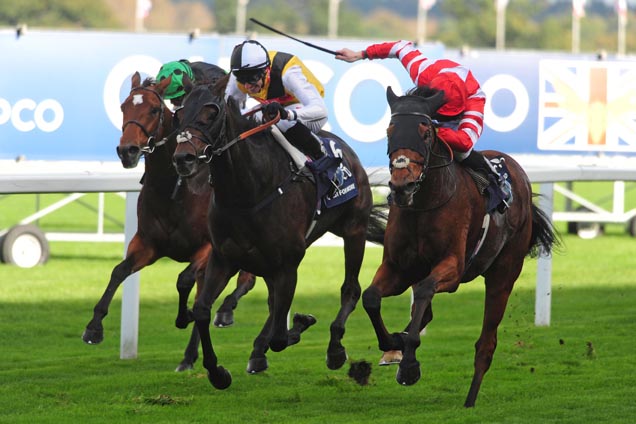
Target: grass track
(580, 369)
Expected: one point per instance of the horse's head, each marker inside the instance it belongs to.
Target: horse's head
(200, 125)
(146, 118)
(410, 138)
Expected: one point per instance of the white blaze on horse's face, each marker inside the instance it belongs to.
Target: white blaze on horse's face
(138, 99)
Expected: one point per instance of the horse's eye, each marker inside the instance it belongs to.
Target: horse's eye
(155, 110)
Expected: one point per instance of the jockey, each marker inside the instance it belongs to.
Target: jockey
(198, 72)
(461, 117)
(281, 83)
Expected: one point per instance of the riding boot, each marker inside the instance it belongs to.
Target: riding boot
(304, 140)
(479, 163)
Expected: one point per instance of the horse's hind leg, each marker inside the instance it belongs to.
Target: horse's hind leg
(191, 353)
(137, 257)
(498, 287)
(349, 296)
(225, 314)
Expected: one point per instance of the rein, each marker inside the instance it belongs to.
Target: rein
(207, 155)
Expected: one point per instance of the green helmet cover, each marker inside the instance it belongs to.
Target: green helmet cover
(177, 69)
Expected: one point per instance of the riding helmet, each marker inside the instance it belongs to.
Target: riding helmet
(250, 55)
(177, 69)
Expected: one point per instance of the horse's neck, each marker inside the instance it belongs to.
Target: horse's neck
(250, 170)
(159, 167)
(440, 183)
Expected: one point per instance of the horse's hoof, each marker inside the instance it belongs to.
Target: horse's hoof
(93, 336)
(221, 378)
(256, 365)
(391, 357)
(407, 375)
(181, 323)
(303, 321)
(184, 366)
(223, 319)
(335, 360)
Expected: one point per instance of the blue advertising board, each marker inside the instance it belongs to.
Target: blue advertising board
(60, 94)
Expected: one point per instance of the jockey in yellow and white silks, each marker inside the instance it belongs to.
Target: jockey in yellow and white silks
(281, 83)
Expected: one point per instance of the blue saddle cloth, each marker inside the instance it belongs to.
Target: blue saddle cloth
(335, 183)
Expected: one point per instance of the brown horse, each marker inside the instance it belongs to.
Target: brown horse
(172, 220)
(261, 220)
(439, 234)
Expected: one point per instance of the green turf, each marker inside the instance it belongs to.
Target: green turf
(580, 369)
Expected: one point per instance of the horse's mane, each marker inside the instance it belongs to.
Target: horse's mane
(424, 91)
(148, 82)
(240, 121)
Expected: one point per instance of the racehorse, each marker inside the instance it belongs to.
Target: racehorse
(439, 234)
(172, 220)
(261, 220)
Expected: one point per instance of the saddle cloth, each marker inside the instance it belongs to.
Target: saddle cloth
(485, 185)
(335, 183)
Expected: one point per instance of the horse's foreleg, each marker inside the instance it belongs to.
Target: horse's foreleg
(217, 275)
(138, 256)
(386, 282)
(349, 296)
(392, 357)
(445, 274)
(185, 282)
(194, 272)
(225, 314)
(497, 293)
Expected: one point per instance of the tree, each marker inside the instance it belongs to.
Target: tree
(57, 13)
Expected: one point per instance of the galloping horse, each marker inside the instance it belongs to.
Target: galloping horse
(439, 234)
(172, 220)
(260, 218)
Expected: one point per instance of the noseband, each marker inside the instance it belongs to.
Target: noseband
(150, 142)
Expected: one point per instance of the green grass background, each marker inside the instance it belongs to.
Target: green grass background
(580, 369)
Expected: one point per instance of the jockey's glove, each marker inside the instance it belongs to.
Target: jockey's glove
(271, 109)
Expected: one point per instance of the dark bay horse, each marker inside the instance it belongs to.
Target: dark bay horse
(172, 220)
(439, 235)
(260, 218)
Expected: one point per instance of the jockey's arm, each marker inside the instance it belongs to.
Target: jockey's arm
(312, 106)
(470, 126)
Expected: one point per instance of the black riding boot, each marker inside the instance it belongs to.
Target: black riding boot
(304, 140)
(478, 163)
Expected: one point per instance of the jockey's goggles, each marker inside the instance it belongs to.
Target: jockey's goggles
(249, 77)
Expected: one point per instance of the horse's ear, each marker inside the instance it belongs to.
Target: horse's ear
(438, 99)
(163, 84)
(135, 81)
(187, 84)
(391, 97)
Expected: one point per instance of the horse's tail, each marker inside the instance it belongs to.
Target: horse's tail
(545, 237)
(377, 223)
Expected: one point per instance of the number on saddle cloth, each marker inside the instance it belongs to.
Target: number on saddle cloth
(335, 183)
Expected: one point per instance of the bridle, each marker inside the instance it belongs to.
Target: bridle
(151, 137)
(402, 161)
(209, 152)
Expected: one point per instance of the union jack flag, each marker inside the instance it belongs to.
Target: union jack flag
(587, 106)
